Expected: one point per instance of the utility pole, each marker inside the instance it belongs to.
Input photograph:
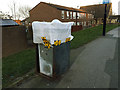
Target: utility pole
(105, 2)
(104, 22)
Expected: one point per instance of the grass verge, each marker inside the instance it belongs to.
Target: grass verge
(17, 65)
(84, 36)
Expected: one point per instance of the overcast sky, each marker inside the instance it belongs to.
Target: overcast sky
(70, 3)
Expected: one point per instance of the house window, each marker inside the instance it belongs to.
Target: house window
(62, 14)
(92, 16)
(74, 15)
(74, 23)
(84, 23)
(78, 15)
(85, 15)
(82, 15)
(67, 14)
(98, 22)
(70, 15)
(89, 23)
(88, 15)
(78, 23)
(93, 22)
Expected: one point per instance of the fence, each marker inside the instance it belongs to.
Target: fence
(13, 40)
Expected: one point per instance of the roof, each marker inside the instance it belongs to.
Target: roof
(59, 7)
(8, 22)
(95, 5)
(18, 21)
(97, 10)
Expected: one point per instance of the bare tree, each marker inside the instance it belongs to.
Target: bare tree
(5, 15)
(13, 8)
(19, 12)
(24, 11)
(1, 15)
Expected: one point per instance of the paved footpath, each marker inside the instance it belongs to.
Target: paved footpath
(95, 65)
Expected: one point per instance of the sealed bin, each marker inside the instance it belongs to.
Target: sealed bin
(53, 46)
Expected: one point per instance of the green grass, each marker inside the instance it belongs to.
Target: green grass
(20, 63)
(17, 65)
(84, 36)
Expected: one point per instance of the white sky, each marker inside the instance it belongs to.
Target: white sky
(70, 3)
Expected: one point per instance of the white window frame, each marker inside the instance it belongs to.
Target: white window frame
(63, 14)
(78, 15)
(71, 15)
(84, 23)
(88, 16)
(85, 15)
(78, 23)
(92, 16)
(74, 15)
(67, 12)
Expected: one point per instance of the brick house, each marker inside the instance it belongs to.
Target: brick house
(98, 11)
(47, 12)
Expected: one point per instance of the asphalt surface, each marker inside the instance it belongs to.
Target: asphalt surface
(95, 65)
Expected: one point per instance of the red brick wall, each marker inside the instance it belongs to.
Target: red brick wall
(43, 12)
(76, 28)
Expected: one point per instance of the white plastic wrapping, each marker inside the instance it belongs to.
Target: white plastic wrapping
(54, 30)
